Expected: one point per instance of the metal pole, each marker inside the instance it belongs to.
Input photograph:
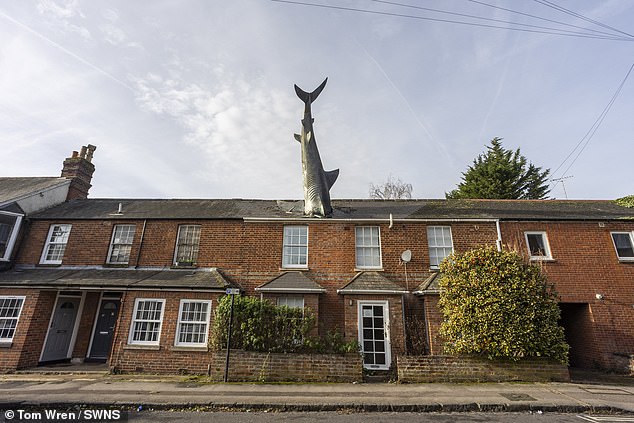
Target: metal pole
(229, 340)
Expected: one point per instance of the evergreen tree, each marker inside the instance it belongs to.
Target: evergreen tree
(502, 174)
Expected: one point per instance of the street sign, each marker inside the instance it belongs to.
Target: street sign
(232, 291)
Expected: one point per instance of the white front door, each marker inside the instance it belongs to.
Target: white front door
(374, 334)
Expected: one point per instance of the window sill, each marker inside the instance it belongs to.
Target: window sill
(116, 265)
(368, 269)
(184, 348)
(290, 269)
(49, 264)
(184, 266)
(142, 347)
(543, 259)
(626, 260)
(6, 344)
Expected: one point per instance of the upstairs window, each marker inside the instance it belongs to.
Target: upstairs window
(537, 243)
(121, 244)
(55, 244)
(5, 233)
(440, 244)
(187, 245)
(193, 323)
(368, 247)
(10, 309)
(146, 321)
(295, 254)
(624, 245)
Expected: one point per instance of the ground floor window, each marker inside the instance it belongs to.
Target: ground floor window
(146, 321)
(193, 322)
(293, 301)
(10, 309)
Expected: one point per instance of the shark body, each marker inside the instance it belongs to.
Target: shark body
(317, 182)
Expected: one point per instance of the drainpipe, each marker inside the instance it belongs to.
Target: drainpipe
(138, 255)
(498, 242)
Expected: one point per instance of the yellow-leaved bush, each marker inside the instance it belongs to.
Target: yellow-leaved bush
(498, 305)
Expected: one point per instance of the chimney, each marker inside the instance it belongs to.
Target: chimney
(79, 169)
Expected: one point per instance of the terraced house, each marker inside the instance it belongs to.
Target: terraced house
(135, 282)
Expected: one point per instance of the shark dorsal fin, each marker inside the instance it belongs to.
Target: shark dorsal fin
(331, 177)
(298, 137)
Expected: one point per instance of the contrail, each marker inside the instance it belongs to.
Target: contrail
(65, 50)
(422, 125)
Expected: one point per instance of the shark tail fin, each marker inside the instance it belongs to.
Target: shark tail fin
(331, 177)
(310, 97)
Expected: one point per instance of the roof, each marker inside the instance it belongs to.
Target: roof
(12, 188)
(126, 279)
(342, 209)
(429, 285)
(371, 283)
(291, 282)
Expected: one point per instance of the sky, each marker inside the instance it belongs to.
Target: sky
(195, 99)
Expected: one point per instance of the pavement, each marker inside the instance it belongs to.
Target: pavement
(42, 388)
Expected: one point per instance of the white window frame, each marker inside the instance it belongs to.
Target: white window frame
(547, 254)
(291, 300)
(286, 257)
(442, 246)
(113, 243)
(13, 234)
(49, 243)
(631, 236)
(372, 246)
(195, 245)
(182, 322)
(136, 320)
(3, 298)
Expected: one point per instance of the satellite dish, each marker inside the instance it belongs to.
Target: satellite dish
(406, 256)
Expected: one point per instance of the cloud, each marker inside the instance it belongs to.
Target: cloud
(60, 16)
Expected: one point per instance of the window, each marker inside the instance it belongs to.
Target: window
(10, 309)
(5, 232)
(537, 243)
(293, 301)
(146, 322)
(55, 244)
(121, 244)
(193, 323)
(9, 228)
(295, 252)
(368, 247)
(624, 245)
(440, 244)
(187, 245)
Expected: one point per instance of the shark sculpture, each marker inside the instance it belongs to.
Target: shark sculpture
(317, 182)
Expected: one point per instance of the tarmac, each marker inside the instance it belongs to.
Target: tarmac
(70, 387)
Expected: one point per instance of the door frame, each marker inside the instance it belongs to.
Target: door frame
(80, 309)
(386, 324)
(104, 296)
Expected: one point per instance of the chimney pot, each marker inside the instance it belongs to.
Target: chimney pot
(75, 154)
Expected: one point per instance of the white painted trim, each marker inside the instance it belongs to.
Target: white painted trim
(356, 258)
(178, 323)
(133, 319)
(292, 290)
(631, 234)
(373, 220)
(13, 236)
(14, 297)
(548, 256)
(47, 243)
(73, 338)
(94, 325)
(294, 266)
(386, 320)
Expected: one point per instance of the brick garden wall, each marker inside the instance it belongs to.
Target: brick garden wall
(424, 369)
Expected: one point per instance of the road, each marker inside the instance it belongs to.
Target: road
(332, 417)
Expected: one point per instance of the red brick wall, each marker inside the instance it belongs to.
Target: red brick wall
(425, 369)
(31, 330)
(584, 265)
(86, 322)
(433, 318)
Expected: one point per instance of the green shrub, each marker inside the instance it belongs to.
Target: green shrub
(626, 201)
(259, 325)
(497, 305)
